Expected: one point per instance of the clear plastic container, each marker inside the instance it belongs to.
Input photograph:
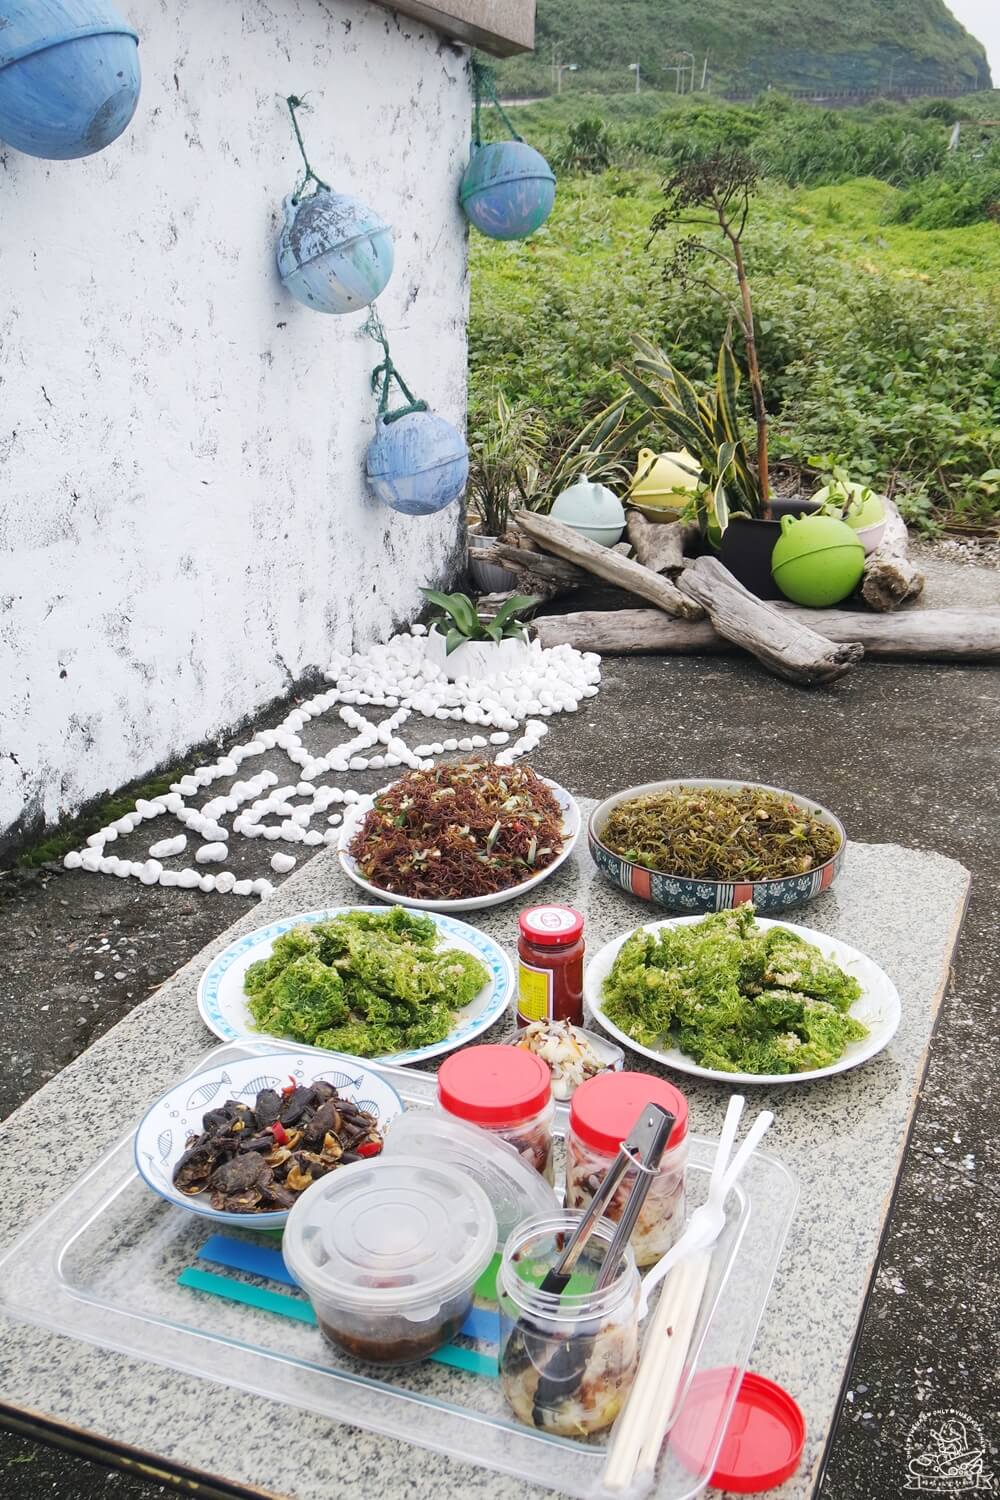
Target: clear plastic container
(514, 1188)
(507, 1091)
(567, 1361)
(389, 1255)
(602, 1112)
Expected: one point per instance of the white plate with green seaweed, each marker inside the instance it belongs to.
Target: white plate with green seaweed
(787, 1003)
(225, 1005)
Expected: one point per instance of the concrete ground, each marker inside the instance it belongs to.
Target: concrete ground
(905, 754)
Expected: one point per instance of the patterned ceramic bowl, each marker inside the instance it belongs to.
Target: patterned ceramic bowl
(678, 893)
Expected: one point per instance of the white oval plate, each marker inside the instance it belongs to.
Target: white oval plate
(877, 1008)
(161, 1136)
(223, 1007)
(354, 815)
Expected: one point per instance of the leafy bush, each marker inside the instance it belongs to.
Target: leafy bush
(966, 191)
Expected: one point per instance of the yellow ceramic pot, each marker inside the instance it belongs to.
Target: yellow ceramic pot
(663, 483)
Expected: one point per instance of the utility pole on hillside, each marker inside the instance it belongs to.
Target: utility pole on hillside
(704, 73)
(634, 68)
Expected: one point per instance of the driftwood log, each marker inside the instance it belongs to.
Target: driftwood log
(917, 635)
(658, 545)
(780, 642)
(890, 578)
(604, 562)
(521, 561)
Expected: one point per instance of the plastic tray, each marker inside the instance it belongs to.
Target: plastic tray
(103, 1264)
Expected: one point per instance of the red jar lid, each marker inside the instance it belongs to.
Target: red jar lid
(494, 1085)
(604, 1109)
(551, 926)
(764, 1439)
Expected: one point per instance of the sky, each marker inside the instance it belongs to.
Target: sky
(982, 18)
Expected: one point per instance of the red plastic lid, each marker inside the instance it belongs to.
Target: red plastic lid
(763, 1442)
(604, 1109)
(494, 1085)
(551, 926)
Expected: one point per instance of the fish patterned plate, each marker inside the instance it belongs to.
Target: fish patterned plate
(163, 1134)
(877, 1007)
(223, 1005)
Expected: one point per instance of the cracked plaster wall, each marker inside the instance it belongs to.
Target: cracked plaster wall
(184, 522)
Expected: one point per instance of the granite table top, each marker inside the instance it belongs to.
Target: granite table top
(843, 1138)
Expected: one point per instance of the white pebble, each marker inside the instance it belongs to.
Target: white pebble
(151, 872)
(73, 860)
(167, 877)
(263, 888)
(282, 863)
(167, 848)
(225, 881)
(451, 744)
(91, 860)
(500, 738)
(206, 883)
(243, 888)
(188, 879)
(313, 837)
(96, 840)
(211, 853)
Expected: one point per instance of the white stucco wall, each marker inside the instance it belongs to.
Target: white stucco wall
(184, 522)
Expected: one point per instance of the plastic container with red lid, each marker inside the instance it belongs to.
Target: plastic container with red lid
(602, 1112)
(505, 1090)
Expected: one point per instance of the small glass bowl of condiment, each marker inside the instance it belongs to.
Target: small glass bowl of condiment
(507, 1091)
(602, 1112)
(389, 1256)
(567, 1361)
(572, 1053)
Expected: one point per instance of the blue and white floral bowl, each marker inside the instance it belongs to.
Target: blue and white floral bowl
(678, 893)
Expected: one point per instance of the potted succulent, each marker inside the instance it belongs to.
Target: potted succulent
(465, 644)
(504, 457)
(734, 503)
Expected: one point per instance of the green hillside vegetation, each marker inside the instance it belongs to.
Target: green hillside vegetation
(880, 340)
(843, 44)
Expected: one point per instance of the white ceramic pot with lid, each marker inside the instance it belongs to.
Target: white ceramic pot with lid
(388, 1253)
(592, 510)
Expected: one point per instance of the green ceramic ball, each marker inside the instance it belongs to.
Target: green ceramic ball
(817, 560)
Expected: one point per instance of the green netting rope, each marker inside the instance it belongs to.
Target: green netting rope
(294, 103)
(385, 373)
(485, 89)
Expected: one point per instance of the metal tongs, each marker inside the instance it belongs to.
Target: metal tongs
(641, 1151)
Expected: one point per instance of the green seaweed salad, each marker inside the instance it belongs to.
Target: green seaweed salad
(367, 983)
(733, 998)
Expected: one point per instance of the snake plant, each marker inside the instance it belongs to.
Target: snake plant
(460, 622)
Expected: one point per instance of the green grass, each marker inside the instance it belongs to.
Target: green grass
(880, 343)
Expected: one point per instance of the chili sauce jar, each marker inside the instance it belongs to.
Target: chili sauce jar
(550, 965)
(506, 1091)
(602, 1112)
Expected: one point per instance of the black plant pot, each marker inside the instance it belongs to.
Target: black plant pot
(747, 545)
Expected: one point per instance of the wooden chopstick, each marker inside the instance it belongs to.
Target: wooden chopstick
(628, 1437)
(673, 1363)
